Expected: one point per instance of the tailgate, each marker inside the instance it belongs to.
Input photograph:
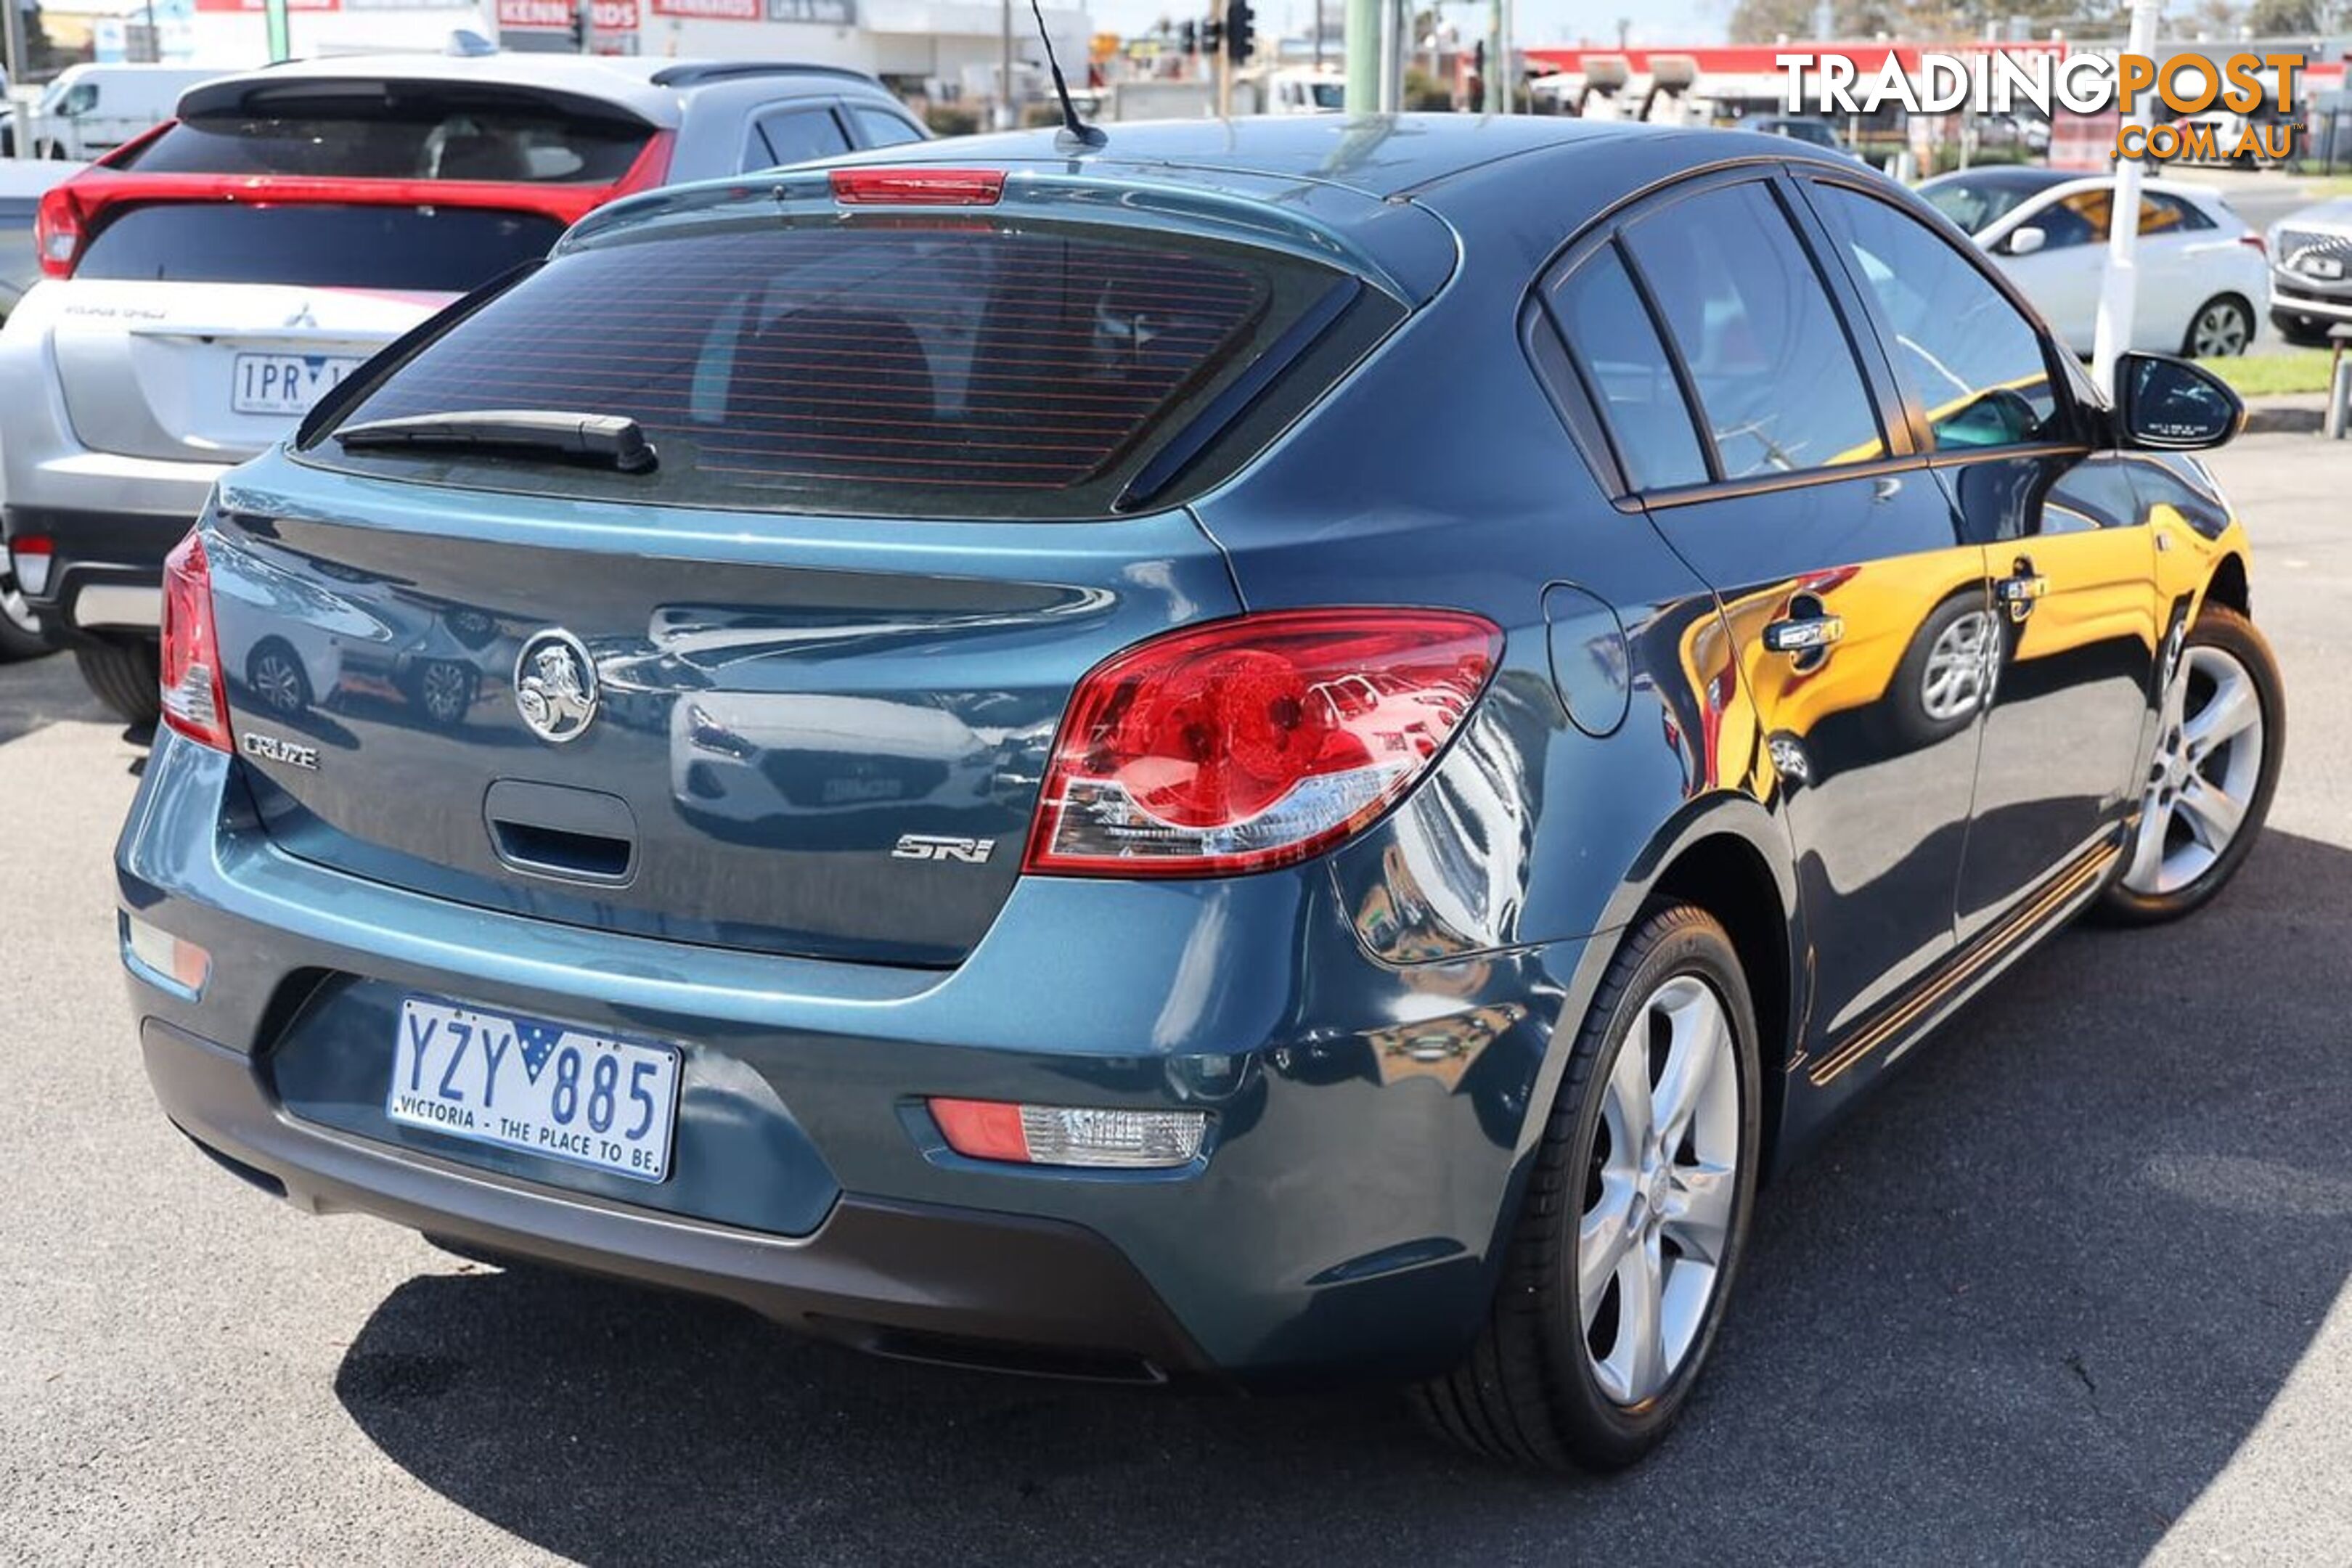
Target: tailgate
(815, 736)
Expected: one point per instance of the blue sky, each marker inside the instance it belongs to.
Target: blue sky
(1539, 21)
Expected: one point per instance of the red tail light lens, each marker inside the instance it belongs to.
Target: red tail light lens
(59, 227)
(2262, 246)
(1254, 742)
(195, 703)
(917, 187)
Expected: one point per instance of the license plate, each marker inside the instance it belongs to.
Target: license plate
(526, 1083)
(287, 383)
(2323, 266)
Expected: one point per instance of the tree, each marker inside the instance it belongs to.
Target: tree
(2275, 18)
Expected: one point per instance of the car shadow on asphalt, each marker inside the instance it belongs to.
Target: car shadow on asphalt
(2026, 1306)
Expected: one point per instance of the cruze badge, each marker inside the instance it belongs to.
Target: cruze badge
(555, 686)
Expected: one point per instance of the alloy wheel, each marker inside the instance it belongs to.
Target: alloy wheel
(1659, 1194)
(1963, 666)
(2208, 766)
(2222, 329)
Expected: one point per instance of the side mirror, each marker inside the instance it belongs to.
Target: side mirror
(2025, 241)
(2168, 405)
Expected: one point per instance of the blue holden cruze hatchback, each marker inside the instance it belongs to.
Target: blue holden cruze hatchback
(1269, 751)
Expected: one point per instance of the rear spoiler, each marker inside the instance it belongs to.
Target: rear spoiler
(263, 95)
(1416, 260)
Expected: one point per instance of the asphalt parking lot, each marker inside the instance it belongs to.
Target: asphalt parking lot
(2073, 1289)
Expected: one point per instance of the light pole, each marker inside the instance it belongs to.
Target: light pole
(2119, 290)
(12, 36)
(1004, 115)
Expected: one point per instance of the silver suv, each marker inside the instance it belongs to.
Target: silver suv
(211, 279)
(2311, 272)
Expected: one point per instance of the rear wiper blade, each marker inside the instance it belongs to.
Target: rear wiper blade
(612, 439)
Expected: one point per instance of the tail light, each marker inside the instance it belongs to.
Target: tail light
(195, 703)
(650, 169)
(59, 227)
(1254, 742)
(2262, 248)
(31, 555)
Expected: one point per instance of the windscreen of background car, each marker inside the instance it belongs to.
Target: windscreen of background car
(891, 367)
(420, 249)
(397, 138)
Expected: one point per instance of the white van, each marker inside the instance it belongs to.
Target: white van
(92, 109)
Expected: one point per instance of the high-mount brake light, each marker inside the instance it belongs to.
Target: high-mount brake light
(1259, 741)
(195, 702)
(917, 187)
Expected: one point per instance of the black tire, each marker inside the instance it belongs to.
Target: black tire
(2235, 305)
(1526, 1393)
(2300, 334)
(123, 676)
(2217, 626)
(1904, 708)
(20, 636)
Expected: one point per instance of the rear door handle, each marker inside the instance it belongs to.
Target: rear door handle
(1805, 635)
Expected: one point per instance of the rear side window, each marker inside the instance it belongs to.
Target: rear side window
(1776, 379)
(883, 129)
(890, 368)
(434, 250)
(1624, 364)
(795, 136)
(422, 141)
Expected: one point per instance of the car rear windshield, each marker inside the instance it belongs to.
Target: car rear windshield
(883, 367)
(433, 250)
(397, 140)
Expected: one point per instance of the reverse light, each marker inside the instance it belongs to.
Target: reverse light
(195, 702)
(917, 187)
(1254, 742)
(173, 958)
(1070, 1135)
(30, 558)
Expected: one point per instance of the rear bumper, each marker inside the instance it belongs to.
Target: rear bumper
(106, 569)
(1368, 1122)
(922, 1281)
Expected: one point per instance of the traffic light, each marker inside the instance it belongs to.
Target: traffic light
(1240, 31)
(1190, 33)
(1212, 36)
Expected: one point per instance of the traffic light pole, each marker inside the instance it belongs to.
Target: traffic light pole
(1363, 38)
(1225, 68)
(13, 110)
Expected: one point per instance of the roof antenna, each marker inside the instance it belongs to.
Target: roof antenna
(1076, 134)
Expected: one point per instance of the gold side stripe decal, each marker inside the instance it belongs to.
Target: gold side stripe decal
(2019, 924)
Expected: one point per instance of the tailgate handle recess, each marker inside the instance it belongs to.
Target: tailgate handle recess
(555, 830)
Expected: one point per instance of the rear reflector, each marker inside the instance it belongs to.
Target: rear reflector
(31, 557)
(917, 187)
(1070, 1135)
(171, 958)
(195, 702)
(1258, 742)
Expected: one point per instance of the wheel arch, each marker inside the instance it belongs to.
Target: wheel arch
(1729, 857)
(2229, 585)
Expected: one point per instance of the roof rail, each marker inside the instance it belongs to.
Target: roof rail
(695, 73)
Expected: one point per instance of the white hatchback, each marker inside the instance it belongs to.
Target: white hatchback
(2204, 276)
